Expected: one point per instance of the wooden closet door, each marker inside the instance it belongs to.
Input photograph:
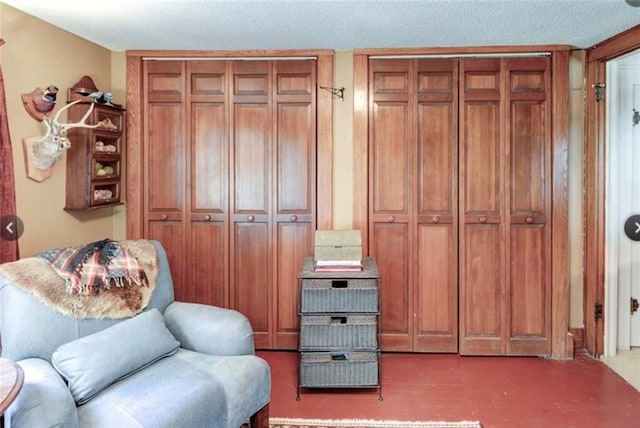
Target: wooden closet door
(208, 183)
(482, 226)
(413, 214)
(251, 256)
(230, 183)
(436, 212)
(391, 183)
(529, 208)
(505, 271)
(294, 172)
(164, 163)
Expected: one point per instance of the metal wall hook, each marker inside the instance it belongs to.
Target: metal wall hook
(336, 92)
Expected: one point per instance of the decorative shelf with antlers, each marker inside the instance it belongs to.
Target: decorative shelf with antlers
(94, 160)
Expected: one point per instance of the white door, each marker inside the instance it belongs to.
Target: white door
(631, 80)
(623, 201)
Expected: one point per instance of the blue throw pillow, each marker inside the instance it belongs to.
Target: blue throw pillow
(95, 362)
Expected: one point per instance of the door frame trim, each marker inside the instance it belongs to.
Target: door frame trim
(594, 182)
(561, 340)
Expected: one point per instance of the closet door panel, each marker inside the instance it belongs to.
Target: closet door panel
(171, 234)
(209, 158)
(528, 309)
(207, 264)
(391, 220)
(294, 240)
(251, 159)
(482, 266)
(529, 207)
(391, 159)
(436, 281)
(250, 266)
(294, 143)
(481, 152)
(165, 158)
(208, 274)
(294, 169)
(436, 302)
(251, 262)
(482, 319)
(528, 149)
(251, 269)
(391, 244)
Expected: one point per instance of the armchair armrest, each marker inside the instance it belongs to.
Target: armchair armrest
(210, 329)
(44, 399)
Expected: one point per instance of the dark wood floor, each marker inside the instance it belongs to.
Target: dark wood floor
(497, 391)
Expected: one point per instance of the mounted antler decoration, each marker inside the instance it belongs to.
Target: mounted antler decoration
(42, 152)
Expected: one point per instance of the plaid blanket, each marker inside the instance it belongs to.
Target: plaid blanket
(90, 268)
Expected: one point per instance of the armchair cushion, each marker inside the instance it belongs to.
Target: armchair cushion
(95, 362)
(210, 329)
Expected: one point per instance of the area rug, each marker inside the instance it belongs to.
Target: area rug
(365, 423)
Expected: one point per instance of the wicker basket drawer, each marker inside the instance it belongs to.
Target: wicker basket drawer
(342, 332)
(331, 369)
(340, 295)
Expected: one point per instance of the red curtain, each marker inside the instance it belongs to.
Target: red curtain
(8, 247)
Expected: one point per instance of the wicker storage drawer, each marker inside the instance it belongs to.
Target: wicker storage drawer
(338, 369)
(338, 332)
(339, 295)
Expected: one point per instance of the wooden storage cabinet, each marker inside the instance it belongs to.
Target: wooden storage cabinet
(94, 160)
(339, 328)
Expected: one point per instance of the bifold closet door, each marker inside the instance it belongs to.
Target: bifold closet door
(229, 183)
(505, 187)
(413, 202)
(459, 202)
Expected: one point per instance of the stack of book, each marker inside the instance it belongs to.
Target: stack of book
(338, 265)
(338, 251)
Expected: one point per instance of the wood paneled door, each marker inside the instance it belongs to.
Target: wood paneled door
(459, 203)
(505, 204)
(229, 161)
(413, 210)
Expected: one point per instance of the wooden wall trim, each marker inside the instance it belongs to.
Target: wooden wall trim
(593, 211)
(133, 143)
(461, 50)
(560, 210)
(230, 54)
(615, 46)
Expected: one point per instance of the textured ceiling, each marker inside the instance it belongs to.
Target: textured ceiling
(121, 25)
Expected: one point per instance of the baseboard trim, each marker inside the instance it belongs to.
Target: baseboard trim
(578, 339)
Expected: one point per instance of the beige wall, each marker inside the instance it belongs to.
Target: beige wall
(576, 149)
(36, 55)
(343, 142)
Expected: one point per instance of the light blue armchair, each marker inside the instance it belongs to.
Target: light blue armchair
(175, 364)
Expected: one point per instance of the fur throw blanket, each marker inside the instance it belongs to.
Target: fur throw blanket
(115, 287)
